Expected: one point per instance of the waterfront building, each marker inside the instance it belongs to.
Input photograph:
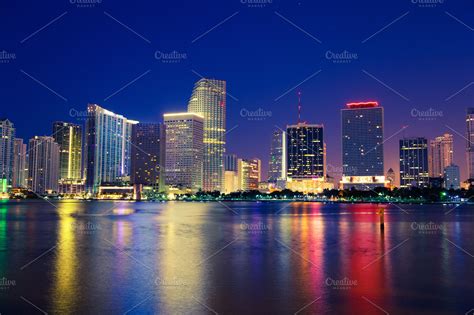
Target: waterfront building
(414, 162)
(43, 165)
(108, 148)
(20, 169)
(362, 146)
(7, 138)
(209, 100)
(390, 178)
(148, 156)
(184, 151)
(230, 162)
(69, 138)
(440, 155)
(231, 181)
(249, 174)
(452, 176)
(470, 142)
(277, 162)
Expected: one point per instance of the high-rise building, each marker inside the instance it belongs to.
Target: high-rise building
(7, 136)
(108, 147)
(452, 177)
(148, 155)
(414, 162)
(69, 138)
(19, 164)
(249, 174)
(184, 151)
(277, 162)
(230, 162)
(470, 142)
(362, 146)
(209, 100)
(390, 178)
(441, 154)
(43, 165)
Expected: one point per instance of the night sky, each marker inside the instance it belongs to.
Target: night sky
(408, 56)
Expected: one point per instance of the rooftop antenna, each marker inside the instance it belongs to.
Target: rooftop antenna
(299, 107)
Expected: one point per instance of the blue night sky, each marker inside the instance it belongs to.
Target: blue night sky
(415, 63)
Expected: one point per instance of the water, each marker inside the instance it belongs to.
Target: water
(234, 258)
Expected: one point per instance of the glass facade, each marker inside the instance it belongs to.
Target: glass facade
(108, 138)
(69, 138)
(277, 160)
(7, 136)
(43, 165)
(414, 162)
(20, 170)
(441, 154)
(209, 100)
(470, 142)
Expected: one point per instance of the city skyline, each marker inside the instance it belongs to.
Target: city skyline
(260, 73)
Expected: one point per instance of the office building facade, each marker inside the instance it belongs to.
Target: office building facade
(69, 138)
(249, 174)
(277, 162)
(7, 138)
(441, 154)
(20, 170)
(452, 176)
(43, 165)
(414, 162)
(470, 142)
(209, 100)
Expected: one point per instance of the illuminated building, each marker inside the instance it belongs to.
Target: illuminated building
(470, 142)
(231, 181)
(43, 165)
(362, 146)
(108, 147)
(184, 151)
(414, 162)
(452, 177)
(148, 156)
(7, 136)
(249, 174)
(69, 138)
(20, 170)
(230, 162)
(390, 178)
(277, 162)
(440, 155)
(209, 100)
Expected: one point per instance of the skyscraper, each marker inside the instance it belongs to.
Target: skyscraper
(209, 100)
(452, 177)
(7, 136)
(43, 165)
(108, 147)
(19, 164)
(69, 138)
(362, 146)
(277, 162)
(184, 151)
(230, 162)
(148, 155)
(441, 154)
(470, 142)
(414, 162)
(249, 174)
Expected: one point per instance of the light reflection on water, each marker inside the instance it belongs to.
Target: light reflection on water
(174, 258)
